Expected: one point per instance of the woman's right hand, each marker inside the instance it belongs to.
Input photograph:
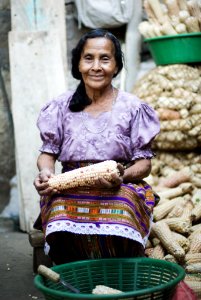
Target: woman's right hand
(41, 183)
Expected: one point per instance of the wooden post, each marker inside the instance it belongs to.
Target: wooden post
(38, 64)
(133, 44)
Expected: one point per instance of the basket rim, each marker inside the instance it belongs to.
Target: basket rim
(173, 282)
(166, 37)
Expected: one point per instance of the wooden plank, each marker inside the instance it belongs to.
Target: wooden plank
(41, 15)
(23, 15)
(37, 75)
(53, 18)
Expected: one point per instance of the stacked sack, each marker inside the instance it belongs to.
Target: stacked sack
(174, 91)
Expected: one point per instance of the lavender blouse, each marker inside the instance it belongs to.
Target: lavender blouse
(124, 133)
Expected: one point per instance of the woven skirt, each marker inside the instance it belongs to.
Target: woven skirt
(99, 222)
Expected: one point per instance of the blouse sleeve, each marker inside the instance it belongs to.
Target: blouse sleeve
(145, 126)
(50, 125)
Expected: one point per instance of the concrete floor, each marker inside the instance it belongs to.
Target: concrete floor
(16, 273)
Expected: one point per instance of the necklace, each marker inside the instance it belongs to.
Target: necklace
(84, 117)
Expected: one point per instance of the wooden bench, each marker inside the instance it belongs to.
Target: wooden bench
(36, 240)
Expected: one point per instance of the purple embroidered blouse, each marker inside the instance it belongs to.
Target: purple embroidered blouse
(124, 133)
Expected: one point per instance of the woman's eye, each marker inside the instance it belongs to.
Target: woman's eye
(105, 58)
(88, 58)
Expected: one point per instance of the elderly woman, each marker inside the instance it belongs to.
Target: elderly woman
(94, 123)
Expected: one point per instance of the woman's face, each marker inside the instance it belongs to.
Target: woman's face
(97, 63)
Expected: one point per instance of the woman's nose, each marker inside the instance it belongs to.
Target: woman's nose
(96, 64)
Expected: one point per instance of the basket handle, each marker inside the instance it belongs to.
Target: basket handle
(48, 273)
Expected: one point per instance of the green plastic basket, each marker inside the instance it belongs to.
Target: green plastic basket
(138, 278)
(176, 49)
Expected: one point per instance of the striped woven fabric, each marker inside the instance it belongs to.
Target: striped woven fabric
(125, 211)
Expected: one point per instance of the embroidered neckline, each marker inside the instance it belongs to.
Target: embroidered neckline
(84, 117)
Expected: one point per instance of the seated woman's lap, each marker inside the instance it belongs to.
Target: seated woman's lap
(67, 247)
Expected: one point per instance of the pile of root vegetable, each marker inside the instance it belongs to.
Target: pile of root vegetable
(174, 91)
(170, 17)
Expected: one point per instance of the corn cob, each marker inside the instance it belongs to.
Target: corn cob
(191, 258)
(155, 241)
(179, 208)
(195, 228)
(148, 251)
(148, 244)
(163, 232)
(157, 10)
(195, 246)
(195, 109)
(196, 212)
(181, 176)
(195, 131)
(85, 176)
(182, 4)
(174, 20)
(158, 252)
(176, 211)
(194, 8)
(192, 277)
(183, 94)
(196, 168)
(167, 28)
(162, 210)
(173, 137)
(173, 8)
(182, 124)
(183, 145)
(187, 212)
(146, 29)
(183, 15)
(182, 240)
(150, 14)
(196, 233)
(167, 171)
(104, 290)
(184, 113)
(170, 258)
(195, 285)
(174, 103)
(177, 191)
(193, 85)
(178, 72)
(168, 114)
(194, 268)
(196, 119)
(181, 28)
(196, 180)
(179, 225)
(192, 24)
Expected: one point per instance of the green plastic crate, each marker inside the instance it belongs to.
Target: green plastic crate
(176, 49)
(138, 278)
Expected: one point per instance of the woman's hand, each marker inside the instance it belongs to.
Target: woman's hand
(41, 183)
(116, 179)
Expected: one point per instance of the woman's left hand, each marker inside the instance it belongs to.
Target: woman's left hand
(117, 179)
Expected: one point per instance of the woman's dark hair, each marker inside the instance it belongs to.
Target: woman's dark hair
(79, 99)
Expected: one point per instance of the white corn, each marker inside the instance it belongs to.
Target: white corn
(85, 176)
